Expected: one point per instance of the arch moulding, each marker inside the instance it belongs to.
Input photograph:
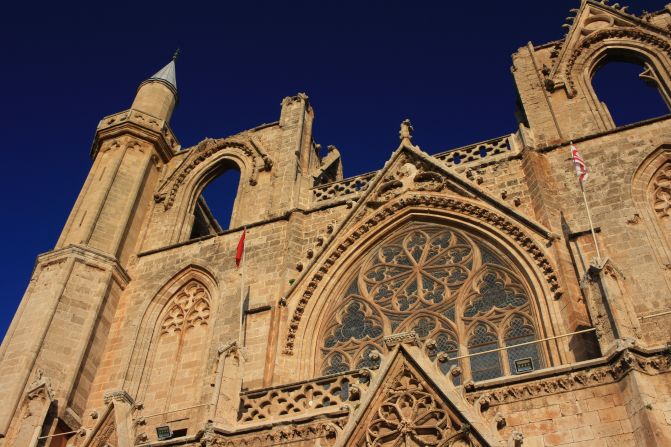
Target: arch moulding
(654, 49)
(459, 211)
(640, 184)
(248, 154)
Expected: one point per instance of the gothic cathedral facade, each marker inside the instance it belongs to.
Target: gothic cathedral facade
(454, 299)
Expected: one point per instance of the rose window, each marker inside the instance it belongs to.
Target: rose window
(445, 285)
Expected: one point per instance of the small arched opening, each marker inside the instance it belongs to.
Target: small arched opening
(215, 207)
(629, 88)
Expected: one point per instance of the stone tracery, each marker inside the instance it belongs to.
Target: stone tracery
(662, 191)
(189, 308)
(410, 414)
(444, 285)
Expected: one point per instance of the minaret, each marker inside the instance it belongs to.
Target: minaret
(60, 329)
(157, 96)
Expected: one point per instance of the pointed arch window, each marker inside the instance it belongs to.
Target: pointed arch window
(447, 286)
(179, 346)
(215, 207)
(629, 88)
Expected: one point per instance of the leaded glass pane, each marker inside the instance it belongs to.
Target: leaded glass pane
(354, 325)
(493, 293)
(336, 364)
(524, 352)
(424, 326)
(484, 366)
(520, 331)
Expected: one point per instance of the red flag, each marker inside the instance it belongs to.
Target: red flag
(579, 164)
(241, 248)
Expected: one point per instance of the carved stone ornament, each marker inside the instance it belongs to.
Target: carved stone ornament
(618, 366)
(410, 414)
(410, 176)
(323, 432)
(118, 396)
(299, 399)
(190, 307)
(405, 134)
(300, 97)
(404, 337)
(106, 435)
(662, 191)
(40, 386)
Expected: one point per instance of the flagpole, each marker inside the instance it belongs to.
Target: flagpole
(242, 288)
(581, 170)
(591, 224)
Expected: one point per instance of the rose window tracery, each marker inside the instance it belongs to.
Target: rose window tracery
(445, 285)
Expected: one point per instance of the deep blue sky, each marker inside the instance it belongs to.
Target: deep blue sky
(365, 65)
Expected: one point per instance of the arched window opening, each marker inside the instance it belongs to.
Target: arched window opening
(215, 206)
(630, 89)
(452, 289)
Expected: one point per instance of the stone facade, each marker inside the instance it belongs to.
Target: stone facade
(454, 299)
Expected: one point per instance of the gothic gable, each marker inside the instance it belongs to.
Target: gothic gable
(414, 179)
(411, 170)
(105, 433)
(410, 405)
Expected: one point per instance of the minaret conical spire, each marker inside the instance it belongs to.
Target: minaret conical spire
(168, 73)
(157, 96)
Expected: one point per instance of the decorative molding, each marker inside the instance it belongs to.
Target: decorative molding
(120, 396)
(248, 146)
(450, 203)
(141, 125)
(280, 435)
(394, 340)
(619, 366)
(662, 191)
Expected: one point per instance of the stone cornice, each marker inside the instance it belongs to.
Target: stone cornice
(572, 377)
(88, 255)
(120, 396)
(140, 125)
